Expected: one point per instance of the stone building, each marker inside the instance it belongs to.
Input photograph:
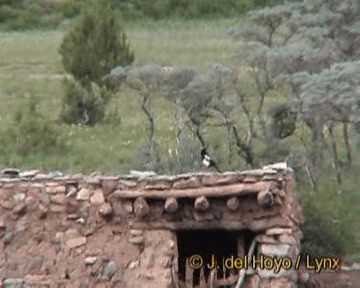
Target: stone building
(144, 230)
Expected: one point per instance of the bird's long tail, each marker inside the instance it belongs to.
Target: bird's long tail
(217, 168)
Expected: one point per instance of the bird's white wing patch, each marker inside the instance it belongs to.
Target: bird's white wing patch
(206, 161)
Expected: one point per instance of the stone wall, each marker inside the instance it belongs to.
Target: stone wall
(120, 231)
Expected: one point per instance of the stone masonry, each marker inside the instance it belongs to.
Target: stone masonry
(120, 230)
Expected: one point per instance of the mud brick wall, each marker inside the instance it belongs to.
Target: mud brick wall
(120, 231)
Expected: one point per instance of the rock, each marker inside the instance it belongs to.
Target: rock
(287, 239)
(265, 199)
(142, 174)
(166, 262)
(72, 216)
(137, 240)
(98, 197)
(55, 189)
(94, 181)
(34, 265)
(90, 260)
(45, 199)
(42, 176)
(37, 281)
(250, 179)
(148, 276)
(134, 232)
(83, 194)
(29, 174)
(54, 174)
(270, 273)
(109, 184)
(171, 244)
(10, 172)
(3, 226)
(57, 208)
(75, 242)
(110, 269)
(19, 208)
(8, 237)
(133, 264)
(7, 204)
(58, 199)
(304, 277)
(19, 197)
(128, 206)
(158, 185)
(80, 220)
(71, 233)
(147, 258)
(13, 282)
(279, 250)
(126, 184)
(105, 209)
(193, 182)
(59, 236)
(278, 231)
(266, 239)
(42, 211)
(71, 191)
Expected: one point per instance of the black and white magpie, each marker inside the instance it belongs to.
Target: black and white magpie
(207, 160)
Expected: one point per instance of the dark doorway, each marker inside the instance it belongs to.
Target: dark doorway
(218, 244)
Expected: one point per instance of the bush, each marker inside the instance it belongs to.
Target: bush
(82, 105)
(69, 8)
(147, 157)
(30, 14)
(328, 222)
(30, 137)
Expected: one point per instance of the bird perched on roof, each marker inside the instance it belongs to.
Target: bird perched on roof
(207, 160)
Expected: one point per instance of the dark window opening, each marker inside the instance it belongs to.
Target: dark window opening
(210, 245)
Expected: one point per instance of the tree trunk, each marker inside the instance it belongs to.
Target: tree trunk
(315, 153)
(245, 150)
(335, 154)
(145, 105)
(347, 143)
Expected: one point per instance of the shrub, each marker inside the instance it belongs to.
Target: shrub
(30, 14)
(328, 222)
(83, 105)
(30, 137)
(90, 49)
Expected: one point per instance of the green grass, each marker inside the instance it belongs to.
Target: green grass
(30, 66)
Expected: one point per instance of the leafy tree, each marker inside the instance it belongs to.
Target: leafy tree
(297, 41)
(94, 45)
(313, 48)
